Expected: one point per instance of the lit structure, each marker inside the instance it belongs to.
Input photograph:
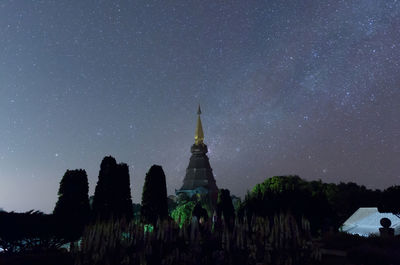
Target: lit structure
(199, 178)
(366, 222)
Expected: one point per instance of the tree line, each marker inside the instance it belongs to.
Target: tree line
(73, 211)
(325, 205)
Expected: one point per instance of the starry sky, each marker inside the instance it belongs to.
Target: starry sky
(286, 87)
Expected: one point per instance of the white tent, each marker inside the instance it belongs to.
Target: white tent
(366, 221)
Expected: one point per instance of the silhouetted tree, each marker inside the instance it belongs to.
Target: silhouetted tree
(280, 193)
(225, 206)
(123, 200)
(346, 198)
(154, 195)
(200, 212)
(102, 200)
(390, 200)
(29, 231)
(288, 194)
(324, 205)
(72, 208)
(112, 196)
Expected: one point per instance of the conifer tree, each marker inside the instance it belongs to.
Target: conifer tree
(154, 195)
(72, 208)
(102, 196)
(123, 204)
(112, 197)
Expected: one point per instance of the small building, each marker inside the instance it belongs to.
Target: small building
(366, 221)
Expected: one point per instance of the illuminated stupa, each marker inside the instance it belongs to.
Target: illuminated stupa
(199, 178)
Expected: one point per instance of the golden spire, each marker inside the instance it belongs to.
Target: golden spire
(199, 135)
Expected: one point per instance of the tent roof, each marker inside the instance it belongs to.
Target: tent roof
(366, 221)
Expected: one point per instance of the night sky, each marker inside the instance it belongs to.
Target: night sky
(286, 87)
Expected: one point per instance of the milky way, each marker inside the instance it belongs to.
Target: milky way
(287, 87)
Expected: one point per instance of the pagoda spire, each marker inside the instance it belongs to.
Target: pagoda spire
(199, 135)
(199, 178)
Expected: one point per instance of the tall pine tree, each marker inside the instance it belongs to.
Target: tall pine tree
(154, 196)
(72, 208)
(123, 199)
(112, 196)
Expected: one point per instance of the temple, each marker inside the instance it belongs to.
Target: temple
(199, 178)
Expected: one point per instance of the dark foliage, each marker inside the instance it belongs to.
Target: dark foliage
(365, 250)
(390, 200)
(236, 201)
(327, 206)
(52, 257)
(172, 203)
(257, 241)
(30, 231)
(102, 207)
(154, 195)
(136, 210)
(123, 202)
(183, 198)
(225, 206)
(200, 212)
(112, 197)
(72, 209)
(346, 198)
